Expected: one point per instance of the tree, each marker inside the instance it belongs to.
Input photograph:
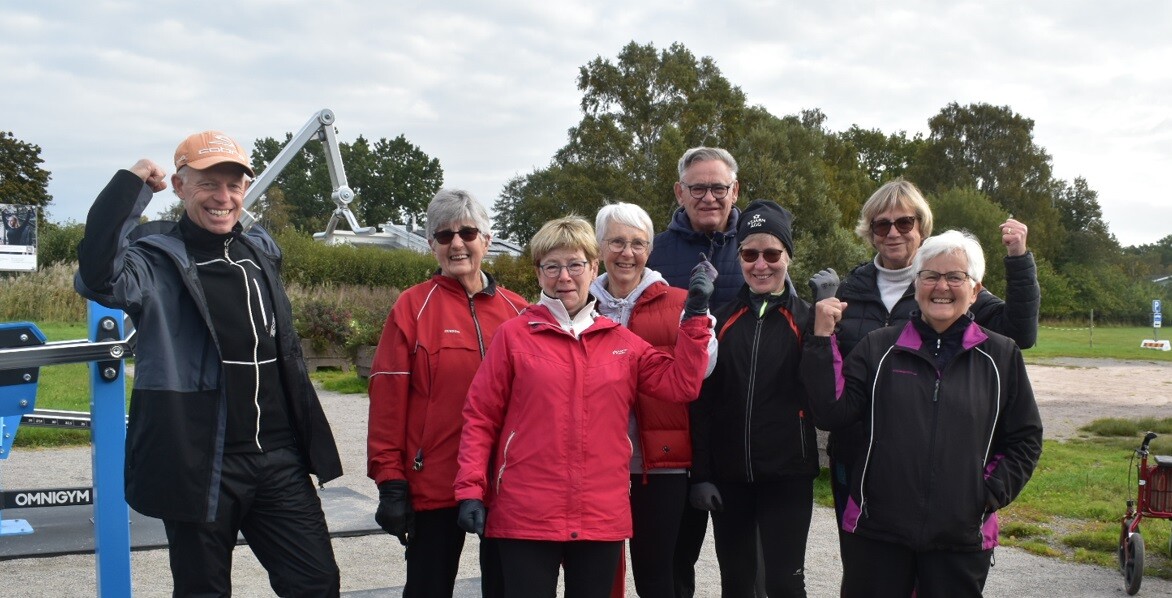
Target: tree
(640, 113)
(398, 183)
(782, 159)
(1088, 239)
(883, 157)
(22, 180)
(991, 148)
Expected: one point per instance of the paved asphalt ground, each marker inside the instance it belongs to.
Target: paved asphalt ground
(372, 564)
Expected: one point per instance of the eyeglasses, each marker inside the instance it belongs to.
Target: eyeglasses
(883, 227)
(555, 270)
(930, 278)
(638, 246)
(467, 234)
(771, 255)
(699, 191)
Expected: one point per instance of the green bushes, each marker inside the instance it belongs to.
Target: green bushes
(311, 263)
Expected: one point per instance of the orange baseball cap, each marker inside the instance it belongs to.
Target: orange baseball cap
(209, 148)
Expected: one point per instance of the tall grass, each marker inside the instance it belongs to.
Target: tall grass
(43, 296)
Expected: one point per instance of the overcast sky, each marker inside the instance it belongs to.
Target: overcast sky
(489, 88)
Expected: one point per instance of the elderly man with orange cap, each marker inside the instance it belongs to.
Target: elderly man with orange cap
(225, 427)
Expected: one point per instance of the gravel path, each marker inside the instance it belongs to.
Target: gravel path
(1069, 393)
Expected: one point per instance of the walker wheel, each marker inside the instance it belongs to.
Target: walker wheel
(1131, 561)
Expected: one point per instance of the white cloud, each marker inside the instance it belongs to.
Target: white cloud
(490, 89)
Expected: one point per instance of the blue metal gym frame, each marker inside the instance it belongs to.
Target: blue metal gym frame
(105, 350)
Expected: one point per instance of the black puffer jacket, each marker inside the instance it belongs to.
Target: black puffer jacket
(751, 422)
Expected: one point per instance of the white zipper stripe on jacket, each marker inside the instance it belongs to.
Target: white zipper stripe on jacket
(255, 337)
(997, 402)
(870, 441)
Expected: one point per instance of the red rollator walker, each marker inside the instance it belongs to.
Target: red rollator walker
(1153, 499)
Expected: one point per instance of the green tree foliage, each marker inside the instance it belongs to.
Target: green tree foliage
(22, 180)
(991, 148)
(392, 181)
(1088, 241)
(780, 159)
(640, 113)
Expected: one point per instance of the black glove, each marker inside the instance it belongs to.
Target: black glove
(394, 513)
(705, 496)
(700, 288)
(824, 284)
(470, 516)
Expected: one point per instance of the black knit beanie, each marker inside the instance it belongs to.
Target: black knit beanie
(765, 216)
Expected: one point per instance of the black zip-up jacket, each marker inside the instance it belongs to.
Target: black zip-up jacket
(178, 409)
(1015, 317)
(751, 422)
(945, 448)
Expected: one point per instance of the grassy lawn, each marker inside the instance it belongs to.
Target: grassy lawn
(1102, 342)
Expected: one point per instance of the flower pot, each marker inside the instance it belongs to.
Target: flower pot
(329, 357)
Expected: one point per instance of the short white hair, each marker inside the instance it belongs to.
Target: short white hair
(953, 241)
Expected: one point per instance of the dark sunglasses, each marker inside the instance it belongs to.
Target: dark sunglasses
(467, 235)
(883, 227)
(771, 255)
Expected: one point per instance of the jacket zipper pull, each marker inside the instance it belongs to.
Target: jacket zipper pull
(418, 466)
(936, 391)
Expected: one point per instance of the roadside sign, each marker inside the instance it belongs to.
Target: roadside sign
(1156, 318)
(1156, 344)
(1155, 306)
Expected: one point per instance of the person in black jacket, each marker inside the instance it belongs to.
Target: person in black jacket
(952, 432)
(225, 427)
(895, 220)
(754, 450)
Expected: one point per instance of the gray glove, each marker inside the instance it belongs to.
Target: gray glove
(705, 496)
(700, 288)
(470, 516)
(394, 513)
(824, 284)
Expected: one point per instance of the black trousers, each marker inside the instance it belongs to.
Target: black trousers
(656, 508)
(270, 499)
(689, 543)
(782, 511)
(433, 557)
(872, 568)
(531, 567)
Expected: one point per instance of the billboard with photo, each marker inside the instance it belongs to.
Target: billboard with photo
(18, 238)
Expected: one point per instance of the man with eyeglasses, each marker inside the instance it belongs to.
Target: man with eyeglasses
(225, 426)
(705, 222)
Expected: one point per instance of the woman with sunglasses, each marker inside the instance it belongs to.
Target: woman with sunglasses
(544, 454)
(895, 220)
(432, 343)
(754, 451)
(952, 432)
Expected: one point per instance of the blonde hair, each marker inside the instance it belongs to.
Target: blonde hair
(895, 194)
(571, 232)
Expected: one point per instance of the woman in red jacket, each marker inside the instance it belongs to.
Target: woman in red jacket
(544, 453)
(640, 299)
(434, 339)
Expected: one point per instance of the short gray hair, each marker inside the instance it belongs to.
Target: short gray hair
(704, 154)
(953, 241)
(454, 205)
(623, 213)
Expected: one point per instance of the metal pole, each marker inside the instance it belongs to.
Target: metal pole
(1092, 329)
(108, 426)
